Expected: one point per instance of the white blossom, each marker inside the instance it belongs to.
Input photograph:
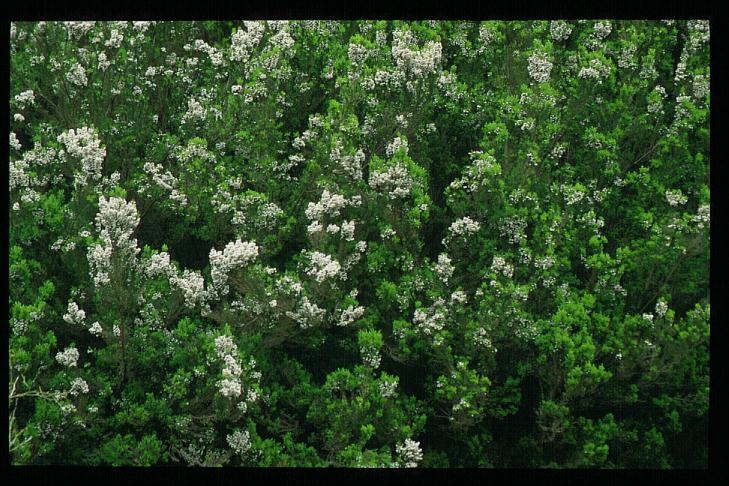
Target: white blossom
(370, 356)
(603, 29)
(14, 142)
(235, 255)
(560, 30)
(388, 388)
(596, 70)
(77, 75)
(25, 98)
(329, 205)
(96, 329)
(195, 111)
(539, 67)
(242, 42)
(322, 267)
(410, 453)
(78, 386)
(350, 314)
(68, 357)
(84, 144)
(307, 313)
(239, 441)
(499, 265)
(464, 226)
(444, 269)
(159, 264)
(73, 314)
(396, 182)
(410, 59)
(115, 39)
(676, 197)
(192, 286)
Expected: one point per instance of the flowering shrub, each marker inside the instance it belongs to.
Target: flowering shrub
(361, 243)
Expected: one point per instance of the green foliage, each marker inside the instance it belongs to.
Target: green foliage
(360, 243)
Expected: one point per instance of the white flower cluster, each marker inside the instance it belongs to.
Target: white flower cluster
(388, 388)
(464, 226)
(239, 441)
(544, 263)
(396, 181)
(215, 55)
(480, 338)
(192, 285)
(699, 33)
(444, 269)
(115, 39)
(357, 53)
(349, 164)
(235, 255)
(676, 197)
(194, 150)
(329, 205)
(655, 104)
(596, 70)
(603, 29)
(78, 29)
(409, 453)
(478, 173)
(419, 62)
(560, 30)
(104, 63)
(159, 264)
(307, 313)
(281, 39)
(572, 194)
(347, 230)
(459, 297)
(68, 358)
(195, 111)
(78, 386)
(370, 356)
(703, 216)
(398, 143)
(499, 265)
(627, 58)
(430, 320)
(661, 308)
(96, 329)
(84, 144)
(701, 86)
(116, 222)
(14, 144)
(25, 98)
(74, 315)
(227, 350)
(143, 25)
(513, 228)
(485, 37)
(349, 315)
(77, 75)
(539, 67)
(242, 42)
(165, 180)
(322, 266)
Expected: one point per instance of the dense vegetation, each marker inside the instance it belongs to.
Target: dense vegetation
(360, 243)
